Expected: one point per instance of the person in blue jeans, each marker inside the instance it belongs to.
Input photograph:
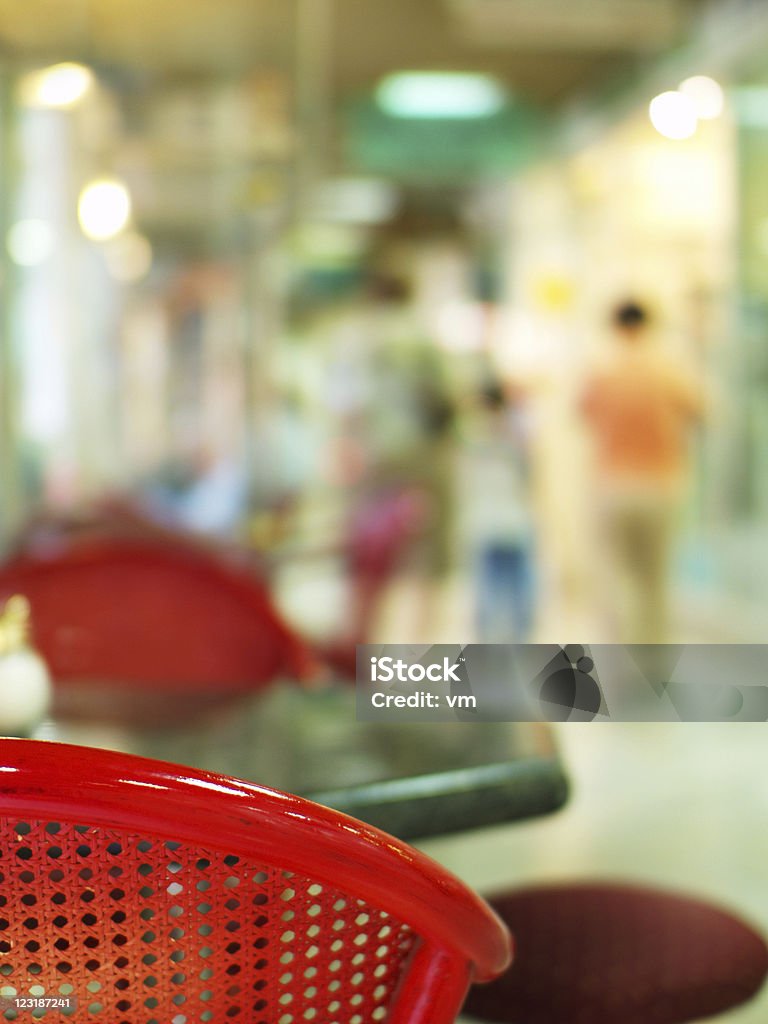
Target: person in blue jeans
(498, 518)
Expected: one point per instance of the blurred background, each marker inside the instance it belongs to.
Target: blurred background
(449, 317)
(334, 281)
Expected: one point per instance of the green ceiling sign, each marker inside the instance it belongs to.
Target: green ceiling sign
(440, 149)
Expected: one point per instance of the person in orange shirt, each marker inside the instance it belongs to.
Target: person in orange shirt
(641, 407)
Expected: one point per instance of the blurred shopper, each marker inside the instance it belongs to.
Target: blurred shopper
(413, 484)
(215, 502)
(432, 471)
(394, 451)
(286, 452)
(641, 408)
(382, 527)
(203, 491)
(497, 517)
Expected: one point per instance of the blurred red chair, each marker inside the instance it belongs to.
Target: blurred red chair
(148, 893)
(379, 533)
(147, 617)
(619, 954)
(117, 518)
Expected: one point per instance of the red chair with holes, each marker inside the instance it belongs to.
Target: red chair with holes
(148, 618)
(147, 893)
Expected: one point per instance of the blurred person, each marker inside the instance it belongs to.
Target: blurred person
(640, 407)
(394, 446)
(405, 429)
(215, 504)
(200, 490)
(497, 516)
(205, 494)
(286, 451)
(433, 469)
(403, 517)
(383, 522)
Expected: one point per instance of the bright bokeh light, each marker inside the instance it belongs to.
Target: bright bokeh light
(673, 115)
(30, 242)
(705, 94)
(104, 209)
(431, 94)
(129, 257)
(59, 86)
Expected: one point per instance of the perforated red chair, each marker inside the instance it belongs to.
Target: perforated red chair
(148, 893)
(606, 953)
(142, 614)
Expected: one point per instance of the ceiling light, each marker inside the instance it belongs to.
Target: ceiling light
(706, 95)
(673, 115)
(437, 94)
(61, 85)
(104, 209)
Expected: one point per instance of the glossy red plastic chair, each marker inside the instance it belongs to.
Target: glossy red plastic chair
(155, 894)
(147, 614)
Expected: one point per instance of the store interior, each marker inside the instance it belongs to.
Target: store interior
(329, 293)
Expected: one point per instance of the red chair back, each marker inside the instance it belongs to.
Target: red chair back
(155, 894)
(153, 615)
